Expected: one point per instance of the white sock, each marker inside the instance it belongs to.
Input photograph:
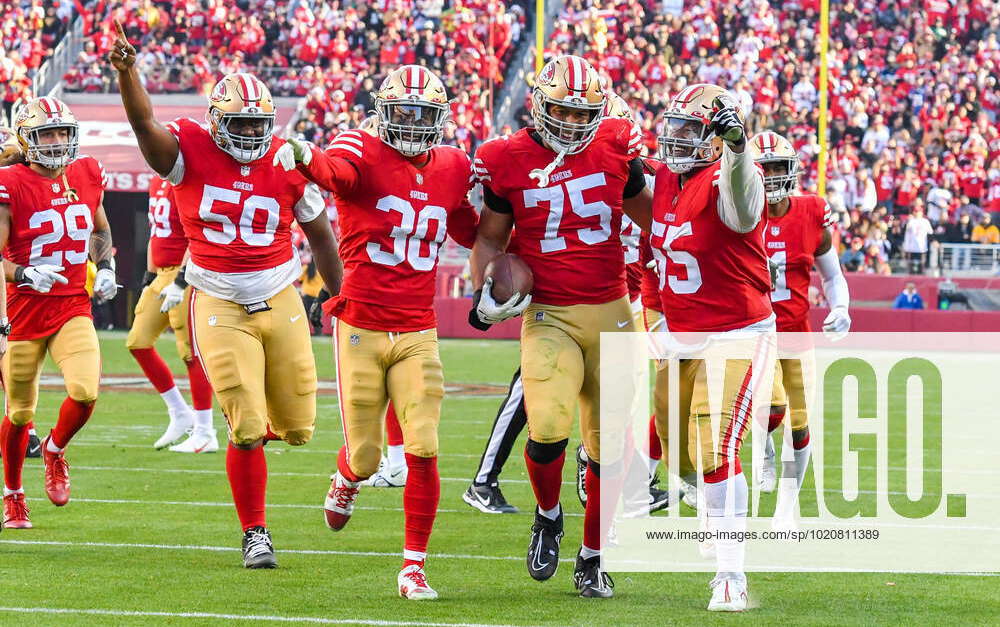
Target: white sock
(203, 419)
(551, 514)
(769, 445)
(586, 552)
(726, 503)
(802, 462)
(51, 446)
(7, 491)
(397, 459)
(174, 400)
(788, 496)
(415, 556)
(653, 465)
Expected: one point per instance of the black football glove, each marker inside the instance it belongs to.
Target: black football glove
(316, 309)
(726, 123)
(474, 320)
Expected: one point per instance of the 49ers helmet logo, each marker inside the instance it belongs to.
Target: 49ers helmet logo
(219, 93)
(548, 73)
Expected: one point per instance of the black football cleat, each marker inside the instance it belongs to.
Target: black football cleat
(34, 446)
(488, 499)
(543, 549)
(591, 580)
(258, 552)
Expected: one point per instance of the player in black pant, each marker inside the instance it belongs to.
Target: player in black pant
(484, 494)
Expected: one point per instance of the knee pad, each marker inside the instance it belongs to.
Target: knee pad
(297, 437)
(545, 453)
(248, 432)
(21, 417)
(81, 392)
(364, 459)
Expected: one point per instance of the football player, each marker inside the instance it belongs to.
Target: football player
(561, 186)
(707, 238)
(51, 221)
(163, 303)
(248, 325)
(797, 237)
(399, 193)
(10, 153)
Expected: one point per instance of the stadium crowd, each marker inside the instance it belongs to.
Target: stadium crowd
(331, 53)
(29, 32)
(914, 101)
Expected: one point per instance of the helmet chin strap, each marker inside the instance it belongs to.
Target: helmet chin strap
(542, 175)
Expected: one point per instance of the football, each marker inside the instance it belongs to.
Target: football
(510, 276)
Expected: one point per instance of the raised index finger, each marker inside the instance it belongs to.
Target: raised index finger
(121, 31)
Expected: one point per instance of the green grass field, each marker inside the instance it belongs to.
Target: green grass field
(151, 538)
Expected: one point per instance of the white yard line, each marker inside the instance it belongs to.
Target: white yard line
(249, 617)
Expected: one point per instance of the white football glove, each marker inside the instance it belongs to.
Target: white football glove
(491, 312)
(105, 284)
(42, 277)
(171, 295)
(292, 153)
(837, 324)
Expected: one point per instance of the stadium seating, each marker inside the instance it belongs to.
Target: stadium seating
(29, 32)
(330, 53)
(914, 100)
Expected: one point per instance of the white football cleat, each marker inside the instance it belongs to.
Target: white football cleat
(412, 584)
(729, 594)
(768, 475)
(198, 442)
(689, 493)
(181, 422)
(387, 477)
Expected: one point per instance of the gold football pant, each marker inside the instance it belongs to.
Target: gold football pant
(560, 368)
(148, 322)
(74, 349)
(375, 367)
(260, 365)
(790, 388)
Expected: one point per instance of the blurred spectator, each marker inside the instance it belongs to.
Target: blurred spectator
(853, 259)
(918, 229)
(986, 232)
(909, 298)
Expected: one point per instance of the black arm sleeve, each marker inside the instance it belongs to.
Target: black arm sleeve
(636, 179)
(498, 204)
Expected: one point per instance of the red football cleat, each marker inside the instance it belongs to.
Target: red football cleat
(15, 512)
(339, 503)
(56, 475)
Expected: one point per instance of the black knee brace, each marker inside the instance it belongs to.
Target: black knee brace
(545, 453)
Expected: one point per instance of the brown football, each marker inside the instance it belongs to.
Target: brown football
(510, 275)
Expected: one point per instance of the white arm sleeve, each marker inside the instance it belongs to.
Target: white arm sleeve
(741, 190)
(834, 283)
(176, 174)
(311, 205)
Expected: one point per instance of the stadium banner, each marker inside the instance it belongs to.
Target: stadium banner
(105, 134)
(894, 435)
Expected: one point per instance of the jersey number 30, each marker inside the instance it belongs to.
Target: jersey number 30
(410, 234)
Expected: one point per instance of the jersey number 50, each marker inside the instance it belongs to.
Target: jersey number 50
(251, 206)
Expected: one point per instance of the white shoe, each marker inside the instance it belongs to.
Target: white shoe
(768, 475)
(729, 594)
(689, 494)
(706, 547)
(180, 423)
(387, 477)
(198, 442)
(412, 583)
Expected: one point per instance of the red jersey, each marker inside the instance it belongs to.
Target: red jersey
(167, 242)
(716, 279)
(46, 227)
(566, 232)
(791, 242)
(238, 217)
(630, 248)
(393, 218)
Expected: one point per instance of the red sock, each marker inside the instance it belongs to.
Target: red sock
(420, 503)
(247, 471)
(271, 436)
(72, 416)
(201, 389)
(344, 468)
(13, 446)
(393, 432)
(655, 449)
(155, 368)
(774, 420)
(546, 480)
(593, 518)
